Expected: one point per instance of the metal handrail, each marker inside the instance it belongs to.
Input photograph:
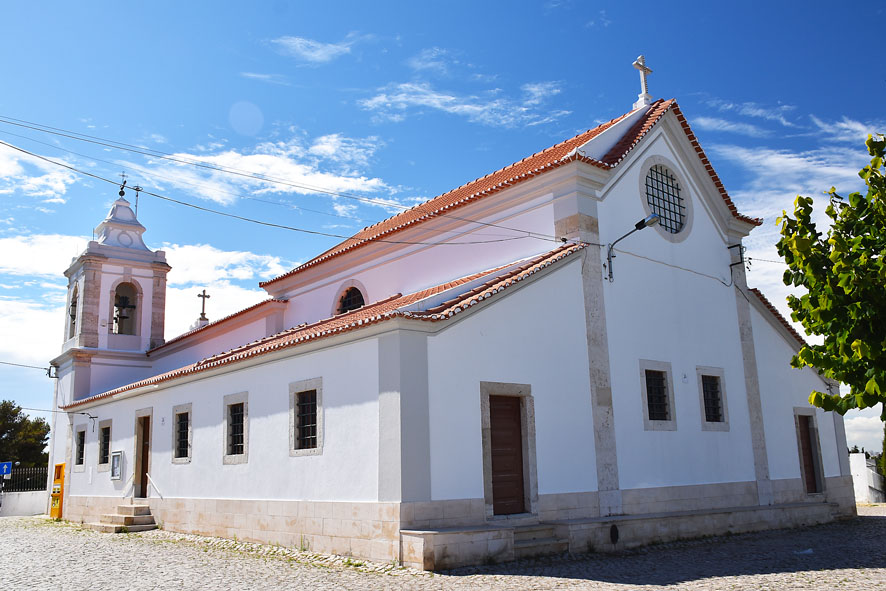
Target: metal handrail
(154, 484)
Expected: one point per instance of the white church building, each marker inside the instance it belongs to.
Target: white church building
(422, 394)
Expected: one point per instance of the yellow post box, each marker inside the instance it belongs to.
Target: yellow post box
(58, 490)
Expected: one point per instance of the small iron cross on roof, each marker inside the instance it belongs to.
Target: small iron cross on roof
(205, 297)
(643, 98)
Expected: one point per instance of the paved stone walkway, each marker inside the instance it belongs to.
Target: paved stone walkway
(40, 554)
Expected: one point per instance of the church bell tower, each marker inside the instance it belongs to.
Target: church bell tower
(116, 307)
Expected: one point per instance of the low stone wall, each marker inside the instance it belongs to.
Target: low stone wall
(870, 487)
(364, 530)
(23, 503)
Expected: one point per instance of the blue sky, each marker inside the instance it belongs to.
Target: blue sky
(396, 102)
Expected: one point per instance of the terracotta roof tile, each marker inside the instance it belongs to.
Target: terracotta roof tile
(525, 169)
(387, 309)
(784, 321)
(216, 323)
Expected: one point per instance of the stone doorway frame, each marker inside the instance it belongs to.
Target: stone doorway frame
(527, 426)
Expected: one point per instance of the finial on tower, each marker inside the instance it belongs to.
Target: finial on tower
(122, 192)
(643, 98)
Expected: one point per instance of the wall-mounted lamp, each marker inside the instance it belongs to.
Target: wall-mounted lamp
(649, 220)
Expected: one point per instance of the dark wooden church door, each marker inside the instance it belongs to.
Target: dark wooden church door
(507, 455)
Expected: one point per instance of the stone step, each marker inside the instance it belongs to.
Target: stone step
(134, 509)
(116, 519)
(539, 547)
(110, 528)
(533, 532)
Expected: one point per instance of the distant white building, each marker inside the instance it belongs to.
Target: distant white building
(868, 483)
(427, 392)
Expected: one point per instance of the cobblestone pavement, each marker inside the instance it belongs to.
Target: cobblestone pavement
(39, 554)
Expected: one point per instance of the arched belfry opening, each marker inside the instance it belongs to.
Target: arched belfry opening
(72, 312)
(125, 308)
(351, 299)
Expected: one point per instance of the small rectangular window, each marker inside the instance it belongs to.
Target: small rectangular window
(657, 395)
(81, 445)
(306, 417)
(306, 426)
(104, 447)
(713, 406)
(182, 428)
(236, 418)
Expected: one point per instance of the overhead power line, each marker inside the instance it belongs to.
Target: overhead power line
(261, 222)
(237, 172)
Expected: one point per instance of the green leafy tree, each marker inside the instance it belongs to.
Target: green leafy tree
(22, 439)
(843, 273)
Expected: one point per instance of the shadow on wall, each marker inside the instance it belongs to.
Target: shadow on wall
(851, 544)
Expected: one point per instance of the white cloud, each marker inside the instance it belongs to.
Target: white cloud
(30, 331)
(33, 177)
(775, 178)
(331, 163)
(864, 429)
(538, 92)
(848, 130)
(393, 102)
(46, 255)
(755, 110)
(315, 52)
(269, 78)
(183, 305)
(716, 124)
(434, 59)
(203, 264)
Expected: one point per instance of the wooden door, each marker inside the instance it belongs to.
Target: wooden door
(810, 476)
(144, 447)
(507, 455)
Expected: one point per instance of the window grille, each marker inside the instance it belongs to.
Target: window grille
(81, 443)
(236, 416)
(663, 197)
(713, 402)
(104, 454)
(657, 395)
(351, 299)
(182, 423)
(306, 425)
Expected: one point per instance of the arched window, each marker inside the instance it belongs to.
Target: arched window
(72, 313)
(351, 299)
(125, 299)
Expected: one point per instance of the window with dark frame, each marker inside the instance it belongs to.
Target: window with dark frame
(104, 448)
(306, 420)
(236, 417)
(182, 426)
(663, 197)
(81, 444)
(713, 399)
(657, 395)
(351, 299)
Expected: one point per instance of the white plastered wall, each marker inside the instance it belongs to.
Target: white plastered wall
(657, 311)
(781, 389)
(346, 470)
(206, 347)
(533, 335)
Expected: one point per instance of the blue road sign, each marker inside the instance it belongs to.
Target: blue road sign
(5, 468)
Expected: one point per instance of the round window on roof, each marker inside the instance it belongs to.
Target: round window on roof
(663, 197)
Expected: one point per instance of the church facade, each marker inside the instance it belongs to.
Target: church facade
(429, 394)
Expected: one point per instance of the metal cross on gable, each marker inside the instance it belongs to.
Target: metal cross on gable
(205, 296)
(643, 98)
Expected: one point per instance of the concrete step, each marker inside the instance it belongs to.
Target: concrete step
(116, 519)
(134, 509)
(533, 532)
(539, 547)
(110, 528)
